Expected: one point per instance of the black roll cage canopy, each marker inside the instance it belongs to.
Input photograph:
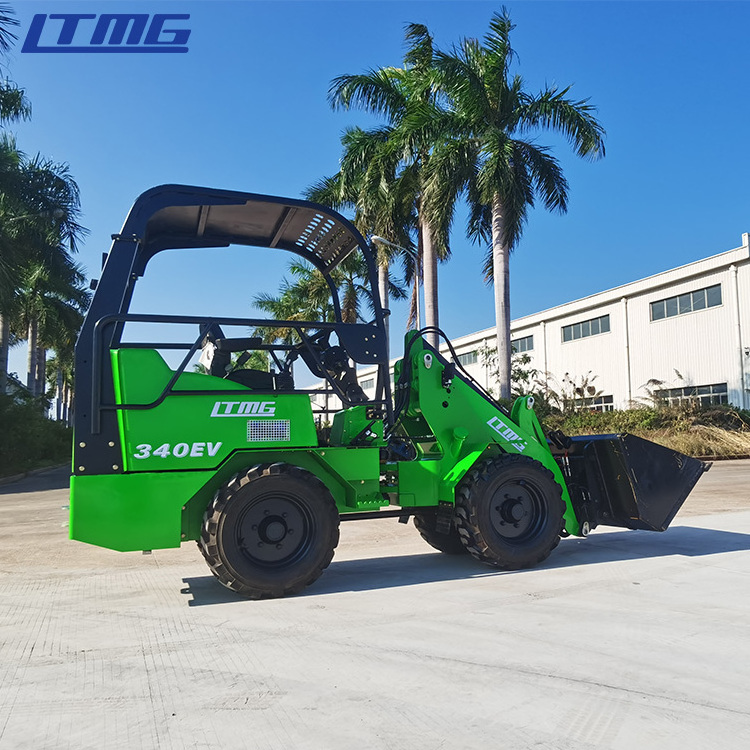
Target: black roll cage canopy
(182, 217)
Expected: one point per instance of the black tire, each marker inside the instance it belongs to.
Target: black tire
(270, 531)
(449, 544)
(509, 512)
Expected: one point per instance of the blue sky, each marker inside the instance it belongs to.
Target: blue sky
(246, 109)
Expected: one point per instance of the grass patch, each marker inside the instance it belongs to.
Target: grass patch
(28, 440)
(704, 442)
(715, 431)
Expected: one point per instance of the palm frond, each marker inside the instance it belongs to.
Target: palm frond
(460, 77)
(448, 171)
(329, 191)
(379, 91)
(14, 105)
(547, 176)
(574, 119)
(7, 21)
(420, 51)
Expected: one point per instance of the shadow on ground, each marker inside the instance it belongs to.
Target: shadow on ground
(56, 478)
(409, 570)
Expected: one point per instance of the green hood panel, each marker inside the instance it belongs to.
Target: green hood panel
(199, 431)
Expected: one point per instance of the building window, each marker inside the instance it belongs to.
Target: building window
(369, 383)
(700, 299)
(600, 403)
(586, 328)
(705, 395)
(470, 358)
(525, 344)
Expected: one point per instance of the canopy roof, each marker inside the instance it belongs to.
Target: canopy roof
(179, 216)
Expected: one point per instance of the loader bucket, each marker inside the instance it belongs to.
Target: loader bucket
(624, 480)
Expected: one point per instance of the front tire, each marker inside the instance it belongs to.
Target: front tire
(270, 531)
(509, 512)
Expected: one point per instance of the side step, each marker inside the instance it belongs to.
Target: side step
(624, 480)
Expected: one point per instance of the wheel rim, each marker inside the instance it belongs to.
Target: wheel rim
(517, 511)
(275, 531)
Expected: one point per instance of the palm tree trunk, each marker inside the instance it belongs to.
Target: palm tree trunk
(415, 318)
(70, 404)
(64, 398)
(59, 389)
(4, 347)
(383, 291)
(32, 336)
(41, 371)
(414, 305)
(429, 273)
(501, 279)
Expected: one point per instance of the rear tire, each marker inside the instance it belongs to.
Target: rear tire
(509, 512)
(270, 531)
(448, 544)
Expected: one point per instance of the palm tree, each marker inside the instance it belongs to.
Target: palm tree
(58, 331)
(401, 95)
(380, 199)
(39, 209)
(307, 297)
(14, 106)
(60, 378)
(9, 250)
(489, 117)
(13, 102)
(50, 306)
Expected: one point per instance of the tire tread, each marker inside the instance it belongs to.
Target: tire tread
(209, 538)
(467, 520)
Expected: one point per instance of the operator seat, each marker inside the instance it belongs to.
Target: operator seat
(221, 363)
(259, 380)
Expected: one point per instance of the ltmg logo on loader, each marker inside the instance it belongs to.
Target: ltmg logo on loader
(244, 409)
(507, 434)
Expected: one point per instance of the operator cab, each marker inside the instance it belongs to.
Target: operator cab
(126, 377)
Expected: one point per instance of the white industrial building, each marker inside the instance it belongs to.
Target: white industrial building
(688, 328)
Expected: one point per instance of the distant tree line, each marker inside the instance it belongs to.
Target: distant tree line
(42, 289)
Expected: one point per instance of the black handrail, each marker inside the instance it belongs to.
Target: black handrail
(98, 345)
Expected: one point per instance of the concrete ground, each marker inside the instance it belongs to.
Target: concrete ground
(623, 640)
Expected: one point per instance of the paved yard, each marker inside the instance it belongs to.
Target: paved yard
(623, 640)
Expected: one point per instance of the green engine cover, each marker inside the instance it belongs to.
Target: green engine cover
(199, 431)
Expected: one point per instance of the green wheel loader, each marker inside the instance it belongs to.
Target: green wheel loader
(261, 471)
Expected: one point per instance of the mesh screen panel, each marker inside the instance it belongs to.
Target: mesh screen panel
(268, 430)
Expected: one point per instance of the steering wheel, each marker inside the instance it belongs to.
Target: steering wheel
(210, 332)
(320, 339)
(319, 342)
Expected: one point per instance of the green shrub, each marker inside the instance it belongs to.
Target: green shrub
(674, 418)
(28, 439)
